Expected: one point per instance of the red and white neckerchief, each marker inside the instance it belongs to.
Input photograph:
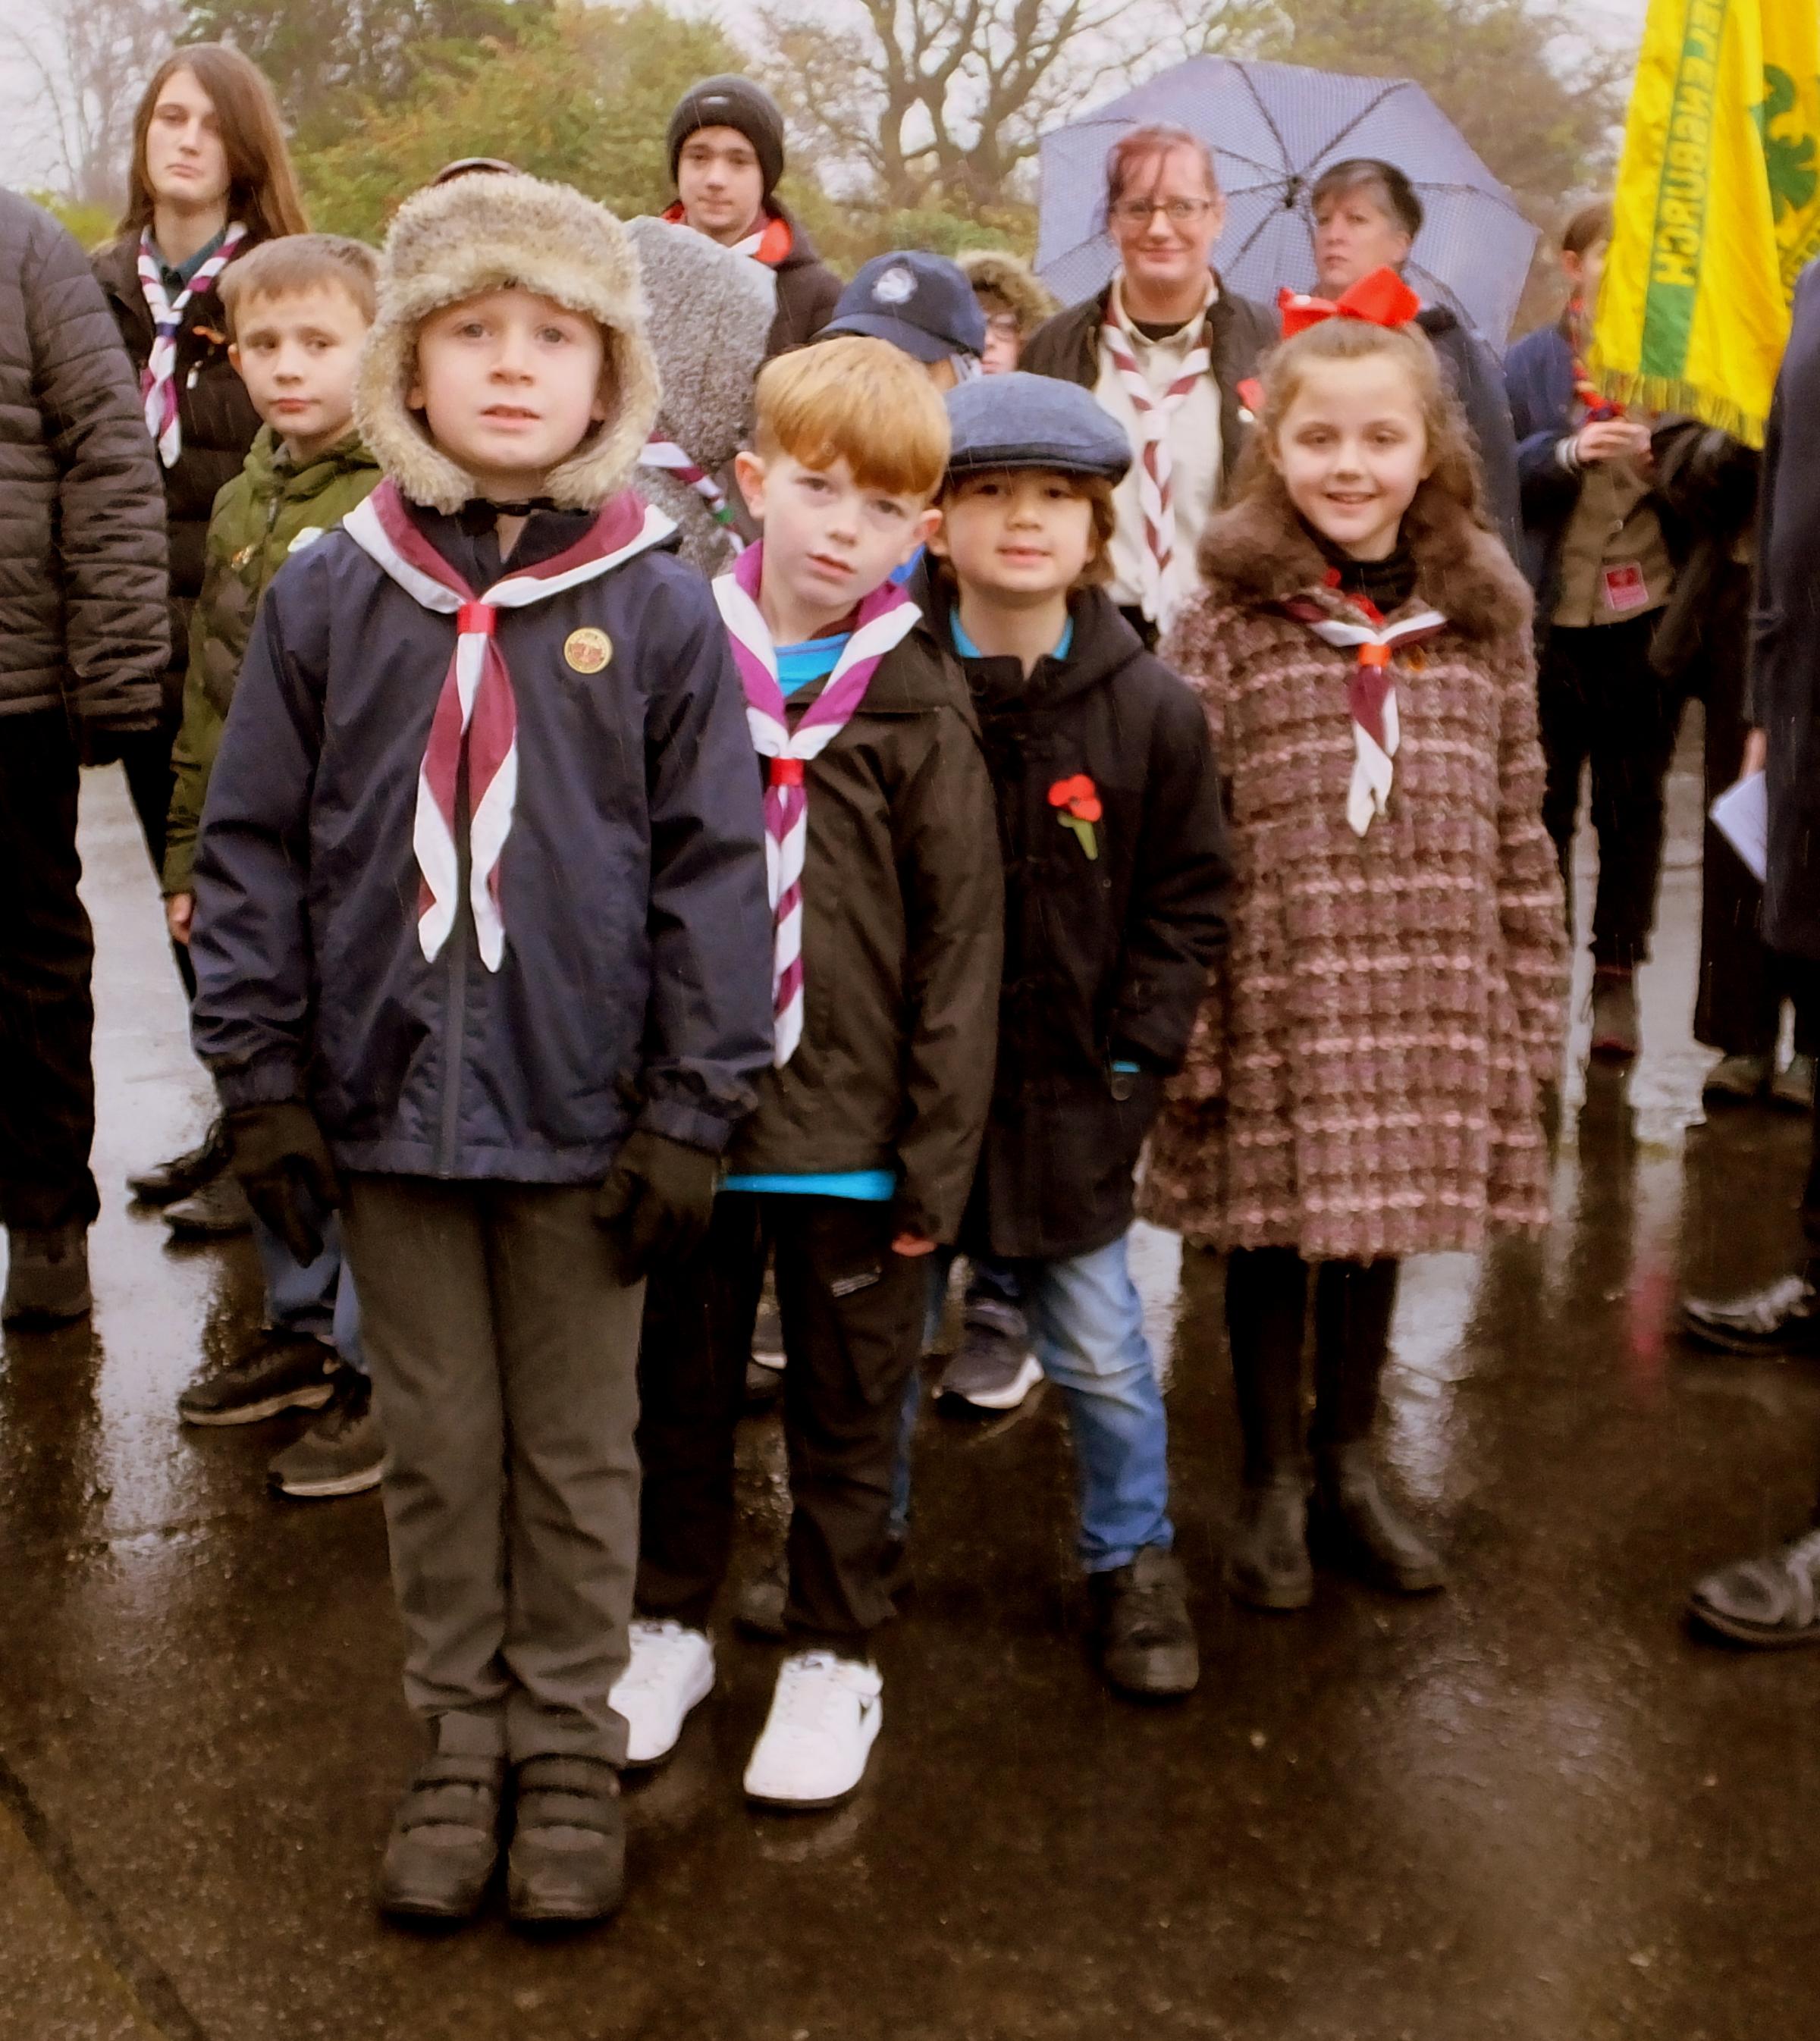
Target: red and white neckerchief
(158, 380)
(1371, 693)
(666, 454)
(1154, 408)
(884, 618)
(476, 711)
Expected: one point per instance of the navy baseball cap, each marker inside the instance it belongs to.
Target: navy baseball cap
(1024, 420)
(920, 303)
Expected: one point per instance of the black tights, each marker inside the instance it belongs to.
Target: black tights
(1266, 1320)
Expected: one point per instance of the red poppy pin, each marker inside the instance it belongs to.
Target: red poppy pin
(1077, 800)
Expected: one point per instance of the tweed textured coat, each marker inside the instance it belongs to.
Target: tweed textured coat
(1366, 1078)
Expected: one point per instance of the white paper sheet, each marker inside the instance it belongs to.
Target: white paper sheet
(1741, 815)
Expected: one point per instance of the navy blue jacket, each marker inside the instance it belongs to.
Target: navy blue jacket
(635, 987)
(1479, 384)
(1785, 635)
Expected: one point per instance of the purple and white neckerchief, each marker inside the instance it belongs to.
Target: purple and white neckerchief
(158, 381)
(884, 618)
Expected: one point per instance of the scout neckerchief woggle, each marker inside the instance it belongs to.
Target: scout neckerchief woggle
(476, 711)
(1381, 298)
(158, 379)
(884, 618)
(1155, 489)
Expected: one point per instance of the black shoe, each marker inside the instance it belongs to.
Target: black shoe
(758, 1609)
(47, 1276)
(185, 1174)
(1783, 1319)
(568, 1857)
(1267, 1564)
(1615, 1028)
(218, 1211)
(283, 1372)
(445, 1840)
(1738, 1080)
(1147, 1647)
(343, 1453)
(1354, 1528)
(993, 1369)
(1771, 1602)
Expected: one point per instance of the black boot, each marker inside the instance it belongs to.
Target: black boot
(568, 1858)
(1147, 1647)
(1355, 1529)
(184, 1175)
(1267, 1564)
(445, 1840)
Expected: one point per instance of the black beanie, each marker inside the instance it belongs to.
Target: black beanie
(731, 102)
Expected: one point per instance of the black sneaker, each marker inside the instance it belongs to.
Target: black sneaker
(1768, 1602)
(218, 1211)
(567, 1863)
(1782, 1320)
(993, 1369)
(1147, 1647)
(282, 1373)
(444, 1842)
(342, 1453)
(185, 1174)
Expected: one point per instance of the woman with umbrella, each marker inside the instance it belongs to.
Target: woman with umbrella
(1367, 216)
(1164, 349)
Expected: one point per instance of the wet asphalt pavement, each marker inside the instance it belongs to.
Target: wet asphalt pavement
(1531, 1807)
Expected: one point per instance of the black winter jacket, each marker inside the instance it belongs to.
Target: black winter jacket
(218, 420)
(1239, 334)
(1478, 383)
(1785, 637)
(1106, 958)
(82, 618)
(807, 290)
(635, 984)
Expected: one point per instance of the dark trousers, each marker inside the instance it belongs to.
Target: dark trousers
(1742, 983)
(851, 1313)
(1601, 704)
(46, 1008)
(1811, 1200)
(1266, 1322)
(145, 757)
(503, 1347)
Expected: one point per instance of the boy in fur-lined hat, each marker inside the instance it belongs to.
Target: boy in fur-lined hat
(481, 939)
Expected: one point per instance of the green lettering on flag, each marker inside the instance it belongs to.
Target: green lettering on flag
(1678, 239)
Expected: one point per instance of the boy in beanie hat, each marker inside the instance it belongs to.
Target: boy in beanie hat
(1013, 298)
(710, 314)
(1116, 872)
(482, 947)
(885, 917)
(726, 147)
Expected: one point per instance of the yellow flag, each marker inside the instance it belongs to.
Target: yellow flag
(1717, 210)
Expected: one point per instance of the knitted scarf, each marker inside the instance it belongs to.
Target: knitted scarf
(884, 618)
(1155, 410)
(476, 711)
(158, 381)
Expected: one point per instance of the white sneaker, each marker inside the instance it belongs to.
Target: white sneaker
(671, 1668)
(825, 1717)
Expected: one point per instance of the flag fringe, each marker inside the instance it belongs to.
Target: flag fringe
(1670, 393)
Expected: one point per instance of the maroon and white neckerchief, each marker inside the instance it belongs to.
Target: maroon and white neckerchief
(476, 709)
(666, 454)
(1154, 408)
(884, 618)
(158, 379)
(1371, 693)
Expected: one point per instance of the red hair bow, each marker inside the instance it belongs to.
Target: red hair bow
(1381, 298)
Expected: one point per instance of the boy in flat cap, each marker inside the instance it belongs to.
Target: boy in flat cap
(726, 147)
(1116, 872)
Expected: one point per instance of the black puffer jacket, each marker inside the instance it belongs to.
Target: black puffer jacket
(217, 416)
(1106, 956)
(82, 618)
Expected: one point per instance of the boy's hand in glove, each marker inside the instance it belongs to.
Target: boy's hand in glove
(278, 1153)
(658, 1201)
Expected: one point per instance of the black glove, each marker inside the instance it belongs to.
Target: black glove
(658, 1201)
(284, 1165)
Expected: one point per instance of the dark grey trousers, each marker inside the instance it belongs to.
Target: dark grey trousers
(505, 1353)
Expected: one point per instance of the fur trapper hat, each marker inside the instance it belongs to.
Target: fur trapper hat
(1016, 285)
(710, 313)
(478, 234)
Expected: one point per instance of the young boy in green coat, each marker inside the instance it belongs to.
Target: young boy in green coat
(298, 310)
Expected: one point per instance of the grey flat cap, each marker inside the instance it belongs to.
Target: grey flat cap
(1021, 421)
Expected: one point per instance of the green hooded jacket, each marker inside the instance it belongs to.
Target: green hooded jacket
(271, 508)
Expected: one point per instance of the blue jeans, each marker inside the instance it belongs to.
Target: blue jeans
(1087, 1326)
(314, 1300)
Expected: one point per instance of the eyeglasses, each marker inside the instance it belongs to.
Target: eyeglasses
(1179, 211)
